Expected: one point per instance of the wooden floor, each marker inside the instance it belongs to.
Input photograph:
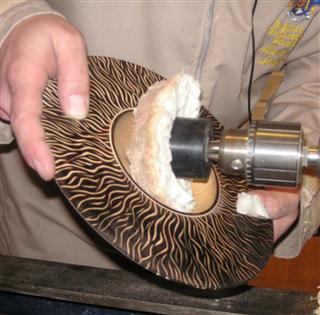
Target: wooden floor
(298, 274)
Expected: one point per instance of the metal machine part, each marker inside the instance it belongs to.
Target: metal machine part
(267, 153)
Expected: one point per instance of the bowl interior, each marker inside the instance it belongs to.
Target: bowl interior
(204, 192)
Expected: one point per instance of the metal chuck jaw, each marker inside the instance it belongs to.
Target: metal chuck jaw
(266, 154)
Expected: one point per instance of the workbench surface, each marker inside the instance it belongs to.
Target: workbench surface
(139, 291)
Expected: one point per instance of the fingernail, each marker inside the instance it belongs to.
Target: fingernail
(77, 107)
(39, 168)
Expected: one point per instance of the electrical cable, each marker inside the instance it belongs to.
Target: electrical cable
(253, 60)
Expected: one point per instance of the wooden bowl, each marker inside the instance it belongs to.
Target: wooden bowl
(212, 248)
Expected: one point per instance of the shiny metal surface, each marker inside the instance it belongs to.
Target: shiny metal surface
(233, 146)
(313, 157)
(267, 154)
(275, 154)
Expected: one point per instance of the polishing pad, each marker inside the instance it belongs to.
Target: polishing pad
(149, 154)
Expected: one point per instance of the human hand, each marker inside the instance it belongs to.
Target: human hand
(282, 206)
(41, 47)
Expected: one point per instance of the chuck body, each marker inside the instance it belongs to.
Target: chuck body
(266, 154)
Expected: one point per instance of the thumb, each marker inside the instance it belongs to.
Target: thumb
(282, 207)
(73, 76)
(278, 202)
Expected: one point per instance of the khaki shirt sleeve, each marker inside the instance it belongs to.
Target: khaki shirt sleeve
(7, 4)
(298, 100)
(13, 12)
(6, 134)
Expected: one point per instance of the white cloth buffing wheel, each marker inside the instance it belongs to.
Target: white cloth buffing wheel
(149, 152)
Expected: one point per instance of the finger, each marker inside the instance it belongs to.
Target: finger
(278, 202)
(73, 76)
(26, 124)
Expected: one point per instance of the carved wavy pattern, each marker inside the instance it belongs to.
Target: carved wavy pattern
(217, 249)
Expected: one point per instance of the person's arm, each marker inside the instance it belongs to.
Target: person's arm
(36, 44)
(298, 100)
(12, 13)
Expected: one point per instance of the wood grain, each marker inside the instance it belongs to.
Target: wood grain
(214, 250)
(299, 274)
